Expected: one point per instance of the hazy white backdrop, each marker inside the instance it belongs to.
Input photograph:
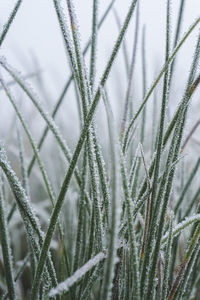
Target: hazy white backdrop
(34, 42)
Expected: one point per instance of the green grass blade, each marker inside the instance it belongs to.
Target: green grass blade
(187, 185)
(6, 250)
(10, 21)
(124, 45)
(28, 76)
(193, 201)
(167, 262)
(25, 182)
(94, 42)
(177, 34)
(130, 75)
(115, 208)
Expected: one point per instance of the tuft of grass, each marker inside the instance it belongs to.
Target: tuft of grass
(124, 222)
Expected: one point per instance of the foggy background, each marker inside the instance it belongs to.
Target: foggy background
(34, 43)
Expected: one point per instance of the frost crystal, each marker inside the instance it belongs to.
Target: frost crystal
(65, 285)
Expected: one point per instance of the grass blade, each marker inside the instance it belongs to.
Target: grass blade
(6, 250)
(9, 22)
(64, 286)
(115, 208)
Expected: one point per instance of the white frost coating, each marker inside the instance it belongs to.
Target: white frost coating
(65, 285)
(66, 33)
(188, 221)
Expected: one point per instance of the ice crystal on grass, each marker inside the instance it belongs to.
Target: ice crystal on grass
(182, 225)
(6, 250)
(64, 286)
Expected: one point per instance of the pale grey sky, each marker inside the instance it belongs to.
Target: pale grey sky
(36, 29)
(35, 34)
